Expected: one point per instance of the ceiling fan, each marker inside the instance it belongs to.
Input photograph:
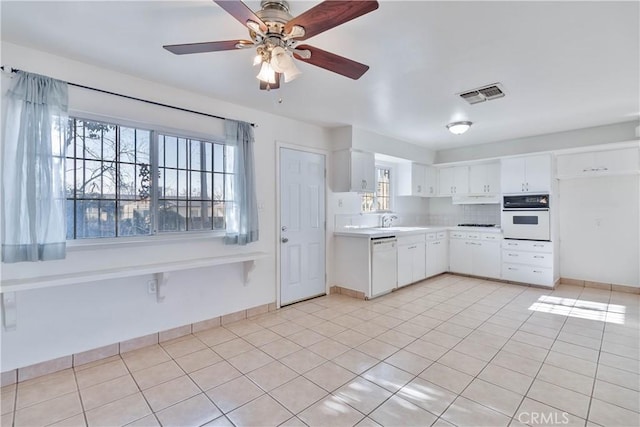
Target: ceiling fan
(276, 35)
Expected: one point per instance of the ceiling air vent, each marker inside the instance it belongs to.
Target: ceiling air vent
(486, 93)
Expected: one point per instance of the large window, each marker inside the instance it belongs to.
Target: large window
(380, 201)
(124, 181)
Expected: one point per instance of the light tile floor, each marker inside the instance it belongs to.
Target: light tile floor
(447, 351)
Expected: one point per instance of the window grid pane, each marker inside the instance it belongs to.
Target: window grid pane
(193, 198)
(109, 182)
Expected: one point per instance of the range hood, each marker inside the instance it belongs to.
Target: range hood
(476, 200)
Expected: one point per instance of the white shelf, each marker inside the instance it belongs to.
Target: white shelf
(40, 282)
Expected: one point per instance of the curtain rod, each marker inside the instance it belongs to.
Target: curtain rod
(13, 70)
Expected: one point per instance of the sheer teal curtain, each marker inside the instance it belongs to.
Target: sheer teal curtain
(33, 150)
(242, 214)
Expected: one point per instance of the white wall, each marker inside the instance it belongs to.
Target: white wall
(65, 320)
(599, 229)
(617, 132)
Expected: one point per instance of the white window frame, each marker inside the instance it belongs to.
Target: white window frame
(391, 168)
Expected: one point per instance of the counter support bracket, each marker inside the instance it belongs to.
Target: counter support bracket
(162, 281)
(9, 311)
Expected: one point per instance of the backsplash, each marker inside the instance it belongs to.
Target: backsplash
(443, 212)
(437, 211)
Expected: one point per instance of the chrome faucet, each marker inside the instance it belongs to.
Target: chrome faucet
(387, 220)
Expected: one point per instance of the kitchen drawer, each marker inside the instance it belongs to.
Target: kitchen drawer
(526, 274)
(538, 259)
(458, 235)
(527, 245)
(491, 236)
(410, 239)
(441, 235)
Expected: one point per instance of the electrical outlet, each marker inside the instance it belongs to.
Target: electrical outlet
(152, 286)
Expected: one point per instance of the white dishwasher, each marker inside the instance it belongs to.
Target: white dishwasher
(384, 265)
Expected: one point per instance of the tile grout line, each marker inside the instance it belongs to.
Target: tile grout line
(487, 363)
(397, 304)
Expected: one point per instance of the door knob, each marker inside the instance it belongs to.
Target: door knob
(284, 240)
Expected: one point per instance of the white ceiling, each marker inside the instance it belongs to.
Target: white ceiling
(564, 65)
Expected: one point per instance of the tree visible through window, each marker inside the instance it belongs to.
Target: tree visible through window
(381, 199)
(119, 185)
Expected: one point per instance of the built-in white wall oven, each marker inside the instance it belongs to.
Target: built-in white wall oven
(526, 217)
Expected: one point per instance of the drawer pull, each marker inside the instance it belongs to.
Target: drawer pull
(514, 255)
(538, 256)
(512, 269)
(537, 271)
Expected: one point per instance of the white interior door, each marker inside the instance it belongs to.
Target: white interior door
(302, 220)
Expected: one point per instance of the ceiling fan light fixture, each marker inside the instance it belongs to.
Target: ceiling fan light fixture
(257, 60)
(267, 73)
(282, 62)
(458, 128)
(291, 73)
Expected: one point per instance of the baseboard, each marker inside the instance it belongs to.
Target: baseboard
(93, 355)
(600, 285)
(348, 292)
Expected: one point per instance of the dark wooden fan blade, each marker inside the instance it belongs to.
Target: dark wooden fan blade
(329, 14)
(268, 86)
(241, 12)
(183, 49)
(332, 62)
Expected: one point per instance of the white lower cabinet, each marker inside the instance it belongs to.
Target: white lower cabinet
(437, 253)
(411, 259)
(476, 254)
(528, 262)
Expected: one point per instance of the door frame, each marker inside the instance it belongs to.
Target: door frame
(305, 149)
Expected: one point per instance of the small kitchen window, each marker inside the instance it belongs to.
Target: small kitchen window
(380, 201)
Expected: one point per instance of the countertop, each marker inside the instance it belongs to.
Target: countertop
(403, 231)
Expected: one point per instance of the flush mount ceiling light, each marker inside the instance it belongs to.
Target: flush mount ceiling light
(277, 35)
(458, 128)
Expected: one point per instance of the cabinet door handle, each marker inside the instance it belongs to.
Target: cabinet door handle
(511, 268)
(419, 188)
(523, 186)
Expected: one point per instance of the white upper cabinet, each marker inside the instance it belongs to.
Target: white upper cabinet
(431, 181)
(530, 174)
(354, 171)
(416, 180)
(453, 181)
(596, 163)
(484, 178)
